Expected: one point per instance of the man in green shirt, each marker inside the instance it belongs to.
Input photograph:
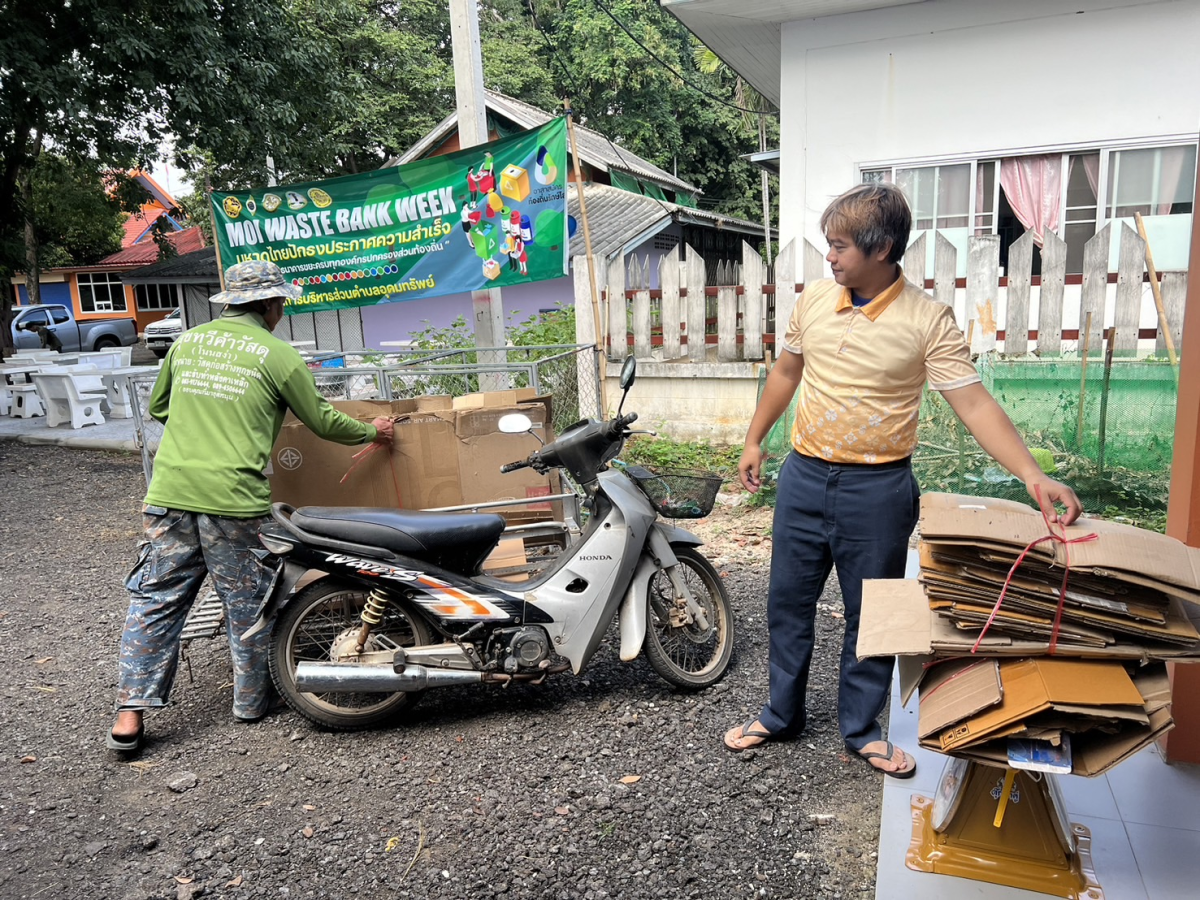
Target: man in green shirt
(222, 393)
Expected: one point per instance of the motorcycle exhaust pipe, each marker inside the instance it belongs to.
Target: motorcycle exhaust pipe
(344, 678)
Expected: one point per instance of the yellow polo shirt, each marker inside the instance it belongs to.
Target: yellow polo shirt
(865, 368)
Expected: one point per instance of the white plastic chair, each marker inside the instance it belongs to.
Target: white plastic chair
(65, 402)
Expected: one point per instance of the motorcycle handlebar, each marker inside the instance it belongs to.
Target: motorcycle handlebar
(513, 466)
(620, 423)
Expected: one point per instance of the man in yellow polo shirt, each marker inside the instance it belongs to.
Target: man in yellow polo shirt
(860, 348)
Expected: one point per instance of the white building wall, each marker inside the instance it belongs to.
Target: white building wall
(954, 77)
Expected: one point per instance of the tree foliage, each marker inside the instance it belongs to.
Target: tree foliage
(307, 89)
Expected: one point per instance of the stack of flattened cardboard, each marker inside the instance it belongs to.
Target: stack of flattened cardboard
(997, 677)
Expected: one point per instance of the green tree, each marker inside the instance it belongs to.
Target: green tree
(109, 80)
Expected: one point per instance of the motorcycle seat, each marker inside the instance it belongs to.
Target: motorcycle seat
(455, 541)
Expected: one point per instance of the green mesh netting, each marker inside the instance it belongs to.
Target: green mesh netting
(1116, 455)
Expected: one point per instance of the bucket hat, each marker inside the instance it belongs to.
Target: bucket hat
(246, 282)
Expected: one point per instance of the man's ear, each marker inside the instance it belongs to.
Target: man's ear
(882, 254)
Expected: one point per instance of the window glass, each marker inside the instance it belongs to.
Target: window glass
(940, 196)
(37, 317)
(1156, 181)
(154, 296)
(60, 316)
(101, 292)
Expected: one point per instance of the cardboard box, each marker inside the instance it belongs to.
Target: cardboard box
(509, 553)
(440, 456)
(491, 269)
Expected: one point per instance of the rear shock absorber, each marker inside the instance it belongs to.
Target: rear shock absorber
(372, 614)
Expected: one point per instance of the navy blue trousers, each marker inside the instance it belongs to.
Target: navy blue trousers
(857, 518)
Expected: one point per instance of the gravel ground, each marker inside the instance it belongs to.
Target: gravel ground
(609, 785)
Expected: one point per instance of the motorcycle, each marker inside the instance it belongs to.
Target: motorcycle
(404, 608)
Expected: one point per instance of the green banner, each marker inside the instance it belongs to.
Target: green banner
(490, 216)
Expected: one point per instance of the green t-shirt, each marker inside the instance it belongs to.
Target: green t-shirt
(222, 393)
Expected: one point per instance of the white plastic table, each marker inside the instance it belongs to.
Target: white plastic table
(116, 383)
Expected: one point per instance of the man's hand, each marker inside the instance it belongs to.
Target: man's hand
(749, 466)
(385, 429)
(1047, 492)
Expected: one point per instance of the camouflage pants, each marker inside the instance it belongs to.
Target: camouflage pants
(178, 550)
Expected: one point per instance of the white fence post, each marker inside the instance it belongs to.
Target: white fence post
(1050, 297)
(696, 309)
(668, 281)
(754, 273)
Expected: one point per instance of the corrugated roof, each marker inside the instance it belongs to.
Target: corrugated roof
(594, 148)
(197, 266)
(619, 218)
(146, 252)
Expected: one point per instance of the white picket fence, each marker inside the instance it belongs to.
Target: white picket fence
(1016, 314)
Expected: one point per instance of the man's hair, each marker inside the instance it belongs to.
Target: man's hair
(872, 215)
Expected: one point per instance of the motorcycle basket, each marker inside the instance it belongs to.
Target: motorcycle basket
(677, 493)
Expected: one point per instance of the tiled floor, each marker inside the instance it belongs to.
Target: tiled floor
(1144, 816)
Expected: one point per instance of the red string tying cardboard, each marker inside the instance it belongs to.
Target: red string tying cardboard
(1054, 538)
(361, 455)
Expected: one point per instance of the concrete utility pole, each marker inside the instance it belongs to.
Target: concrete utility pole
(470, 101)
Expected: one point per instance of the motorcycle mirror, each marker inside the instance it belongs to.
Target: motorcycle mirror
(628, 370)
(515, 423)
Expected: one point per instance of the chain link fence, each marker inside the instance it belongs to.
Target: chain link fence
(568, 373)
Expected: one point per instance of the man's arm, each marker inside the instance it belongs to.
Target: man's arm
(991, 426)
(302, 397)
(782, 381)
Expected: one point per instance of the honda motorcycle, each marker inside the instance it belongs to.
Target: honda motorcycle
(404, 608)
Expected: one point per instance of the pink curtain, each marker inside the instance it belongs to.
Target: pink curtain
(1172, 169)
(1091, 168)
(1033, 186)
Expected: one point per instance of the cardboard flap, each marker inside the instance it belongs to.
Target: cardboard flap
(955, 689)
(894, 619)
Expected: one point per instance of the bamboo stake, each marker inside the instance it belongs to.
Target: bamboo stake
(1087, 334)
(1108, 358)
(212, 217)
(587, 244)
(1154, 288)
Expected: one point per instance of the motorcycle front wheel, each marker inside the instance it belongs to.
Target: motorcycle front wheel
(684, 654)
(317, 626)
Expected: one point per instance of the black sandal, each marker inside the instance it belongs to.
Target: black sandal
(126, 743)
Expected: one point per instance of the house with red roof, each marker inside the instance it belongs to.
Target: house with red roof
(96, 291)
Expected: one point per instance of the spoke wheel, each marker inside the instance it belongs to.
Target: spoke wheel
(316, 627)
(685, 654)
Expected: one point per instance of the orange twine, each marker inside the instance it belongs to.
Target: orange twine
(1062, 592)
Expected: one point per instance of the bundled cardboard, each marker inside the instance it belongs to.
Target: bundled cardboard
(440, 456)
(1131, 600)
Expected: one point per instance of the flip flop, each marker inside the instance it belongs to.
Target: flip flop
(746, 730)
(126, 743)
(907, 772)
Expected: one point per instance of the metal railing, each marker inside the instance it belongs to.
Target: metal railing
(569, 373)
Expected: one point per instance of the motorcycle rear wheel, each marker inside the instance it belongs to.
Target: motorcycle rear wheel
(684, 655)
(307, 630)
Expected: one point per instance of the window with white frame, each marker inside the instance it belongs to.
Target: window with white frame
(1074, 194)
(155, 296)
(101, 292)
